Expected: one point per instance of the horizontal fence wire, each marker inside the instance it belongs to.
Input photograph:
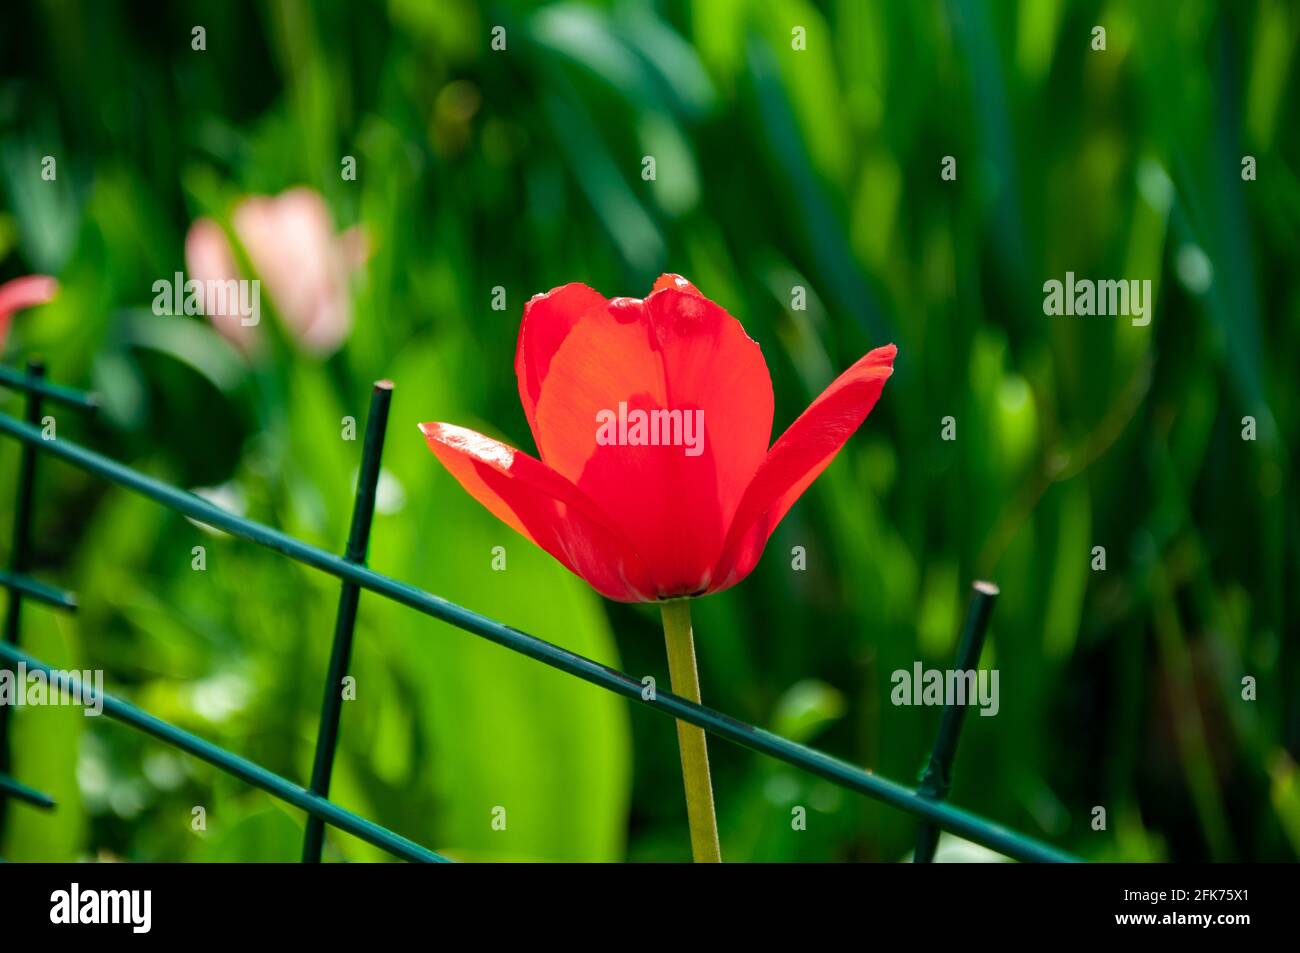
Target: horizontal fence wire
(33, 384)
(16, 789)
(231, 763)
(922, 805)
(35, 589)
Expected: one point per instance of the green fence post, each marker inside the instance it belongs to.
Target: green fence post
(363, 511)
(938, 773)
(18, 559)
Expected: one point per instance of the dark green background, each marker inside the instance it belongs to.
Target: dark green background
(775, 168)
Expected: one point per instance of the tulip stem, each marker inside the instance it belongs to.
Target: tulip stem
(690, 739)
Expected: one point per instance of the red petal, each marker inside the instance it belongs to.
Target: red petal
(543, 507)
(548, 319)
(675, 351)
(798, 458)
(25, 292)
(675, 281)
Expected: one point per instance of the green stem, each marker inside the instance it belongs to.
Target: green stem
(690, 739)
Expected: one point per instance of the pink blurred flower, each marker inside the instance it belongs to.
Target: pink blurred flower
(303, 264)
(20, 293)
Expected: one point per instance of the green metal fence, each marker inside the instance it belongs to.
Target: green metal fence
(926, 803)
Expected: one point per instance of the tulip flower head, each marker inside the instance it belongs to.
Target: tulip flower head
(306, 267)
(654, 478)
(21, 293)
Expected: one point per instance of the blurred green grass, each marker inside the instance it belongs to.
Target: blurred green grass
(775, 168)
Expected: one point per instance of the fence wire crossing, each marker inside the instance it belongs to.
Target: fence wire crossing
(926, 803)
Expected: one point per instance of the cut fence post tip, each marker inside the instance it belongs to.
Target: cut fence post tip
(937, 776)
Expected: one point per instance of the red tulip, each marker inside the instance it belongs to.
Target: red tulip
(629, 493)
(20, 293)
